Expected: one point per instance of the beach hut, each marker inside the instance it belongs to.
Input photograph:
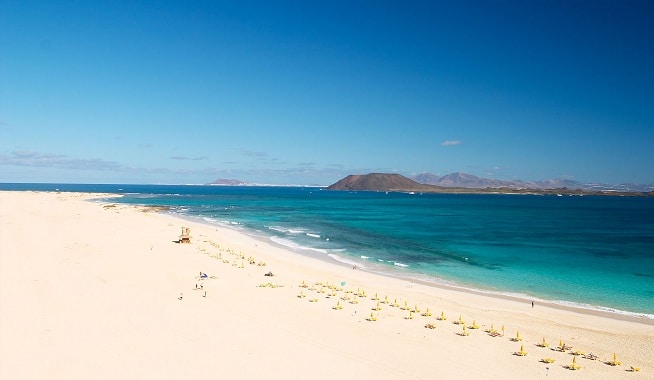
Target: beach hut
(185, 237)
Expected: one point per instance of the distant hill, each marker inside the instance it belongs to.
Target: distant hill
(473, 182)
(469, 181)
(463, 180)
(379, 182)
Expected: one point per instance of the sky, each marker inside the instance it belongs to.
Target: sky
(307, 92)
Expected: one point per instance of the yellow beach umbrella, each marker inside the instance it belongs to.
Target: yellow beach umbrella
(574, 365)
(615, 360)
(522, 351)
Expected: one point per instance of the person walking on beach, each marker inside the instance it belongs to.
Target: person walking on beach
(532, 304)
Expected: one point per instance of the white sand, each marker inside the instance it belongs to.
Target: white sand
(88, 291)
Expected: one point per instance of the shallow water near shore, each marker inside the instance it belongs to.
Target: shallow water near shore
(591, 252)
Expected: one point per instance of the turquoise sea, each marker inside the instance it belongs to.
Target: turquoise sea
(586, 251)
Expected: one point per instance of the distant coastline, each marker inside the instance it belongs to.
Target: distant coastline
(397, 183)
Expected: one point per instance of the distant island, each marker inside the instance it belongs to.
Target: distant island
(399, 183)
(228, 182)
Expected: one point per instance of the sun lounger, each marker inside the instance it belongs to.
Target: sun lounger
(590, 356)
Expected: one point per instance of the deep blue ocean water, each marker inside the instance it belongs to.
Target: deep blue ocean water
(590, 251)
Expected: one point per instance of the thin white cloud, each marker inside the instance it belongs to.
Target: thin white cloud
(451, 142)
(303, 173)
(35, 159)
(183, 158)
(251, 153)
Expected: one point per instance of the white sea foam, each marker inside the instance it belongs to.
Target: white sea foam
(292, 231)
(344, 260)
(364, 257)
(276, 228)
(209, 220)
(313, 235)
(295, 246)
(400, 264)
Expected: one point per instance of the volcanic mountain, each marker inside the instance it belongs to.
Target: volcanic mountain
(379, 182)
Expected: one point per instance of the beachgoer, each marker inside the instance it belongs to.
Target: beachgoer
(205, 294)
(181, 295)
(532, 304)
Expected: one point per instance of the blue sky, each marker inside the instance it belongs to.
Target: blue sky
(306, 92)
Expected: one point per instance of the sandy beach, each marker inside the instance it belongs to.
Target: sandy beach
(102, 290)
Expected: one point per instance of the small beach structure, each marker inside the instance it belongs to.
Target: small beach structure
(574, 366)
(522, 351)
(185, 237)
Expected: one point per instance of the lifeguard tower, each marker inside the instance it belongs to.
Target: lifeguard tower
(185, 237)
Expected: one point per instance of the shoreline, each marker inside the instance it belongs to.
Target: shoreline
(97, 291)
(595, 310)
